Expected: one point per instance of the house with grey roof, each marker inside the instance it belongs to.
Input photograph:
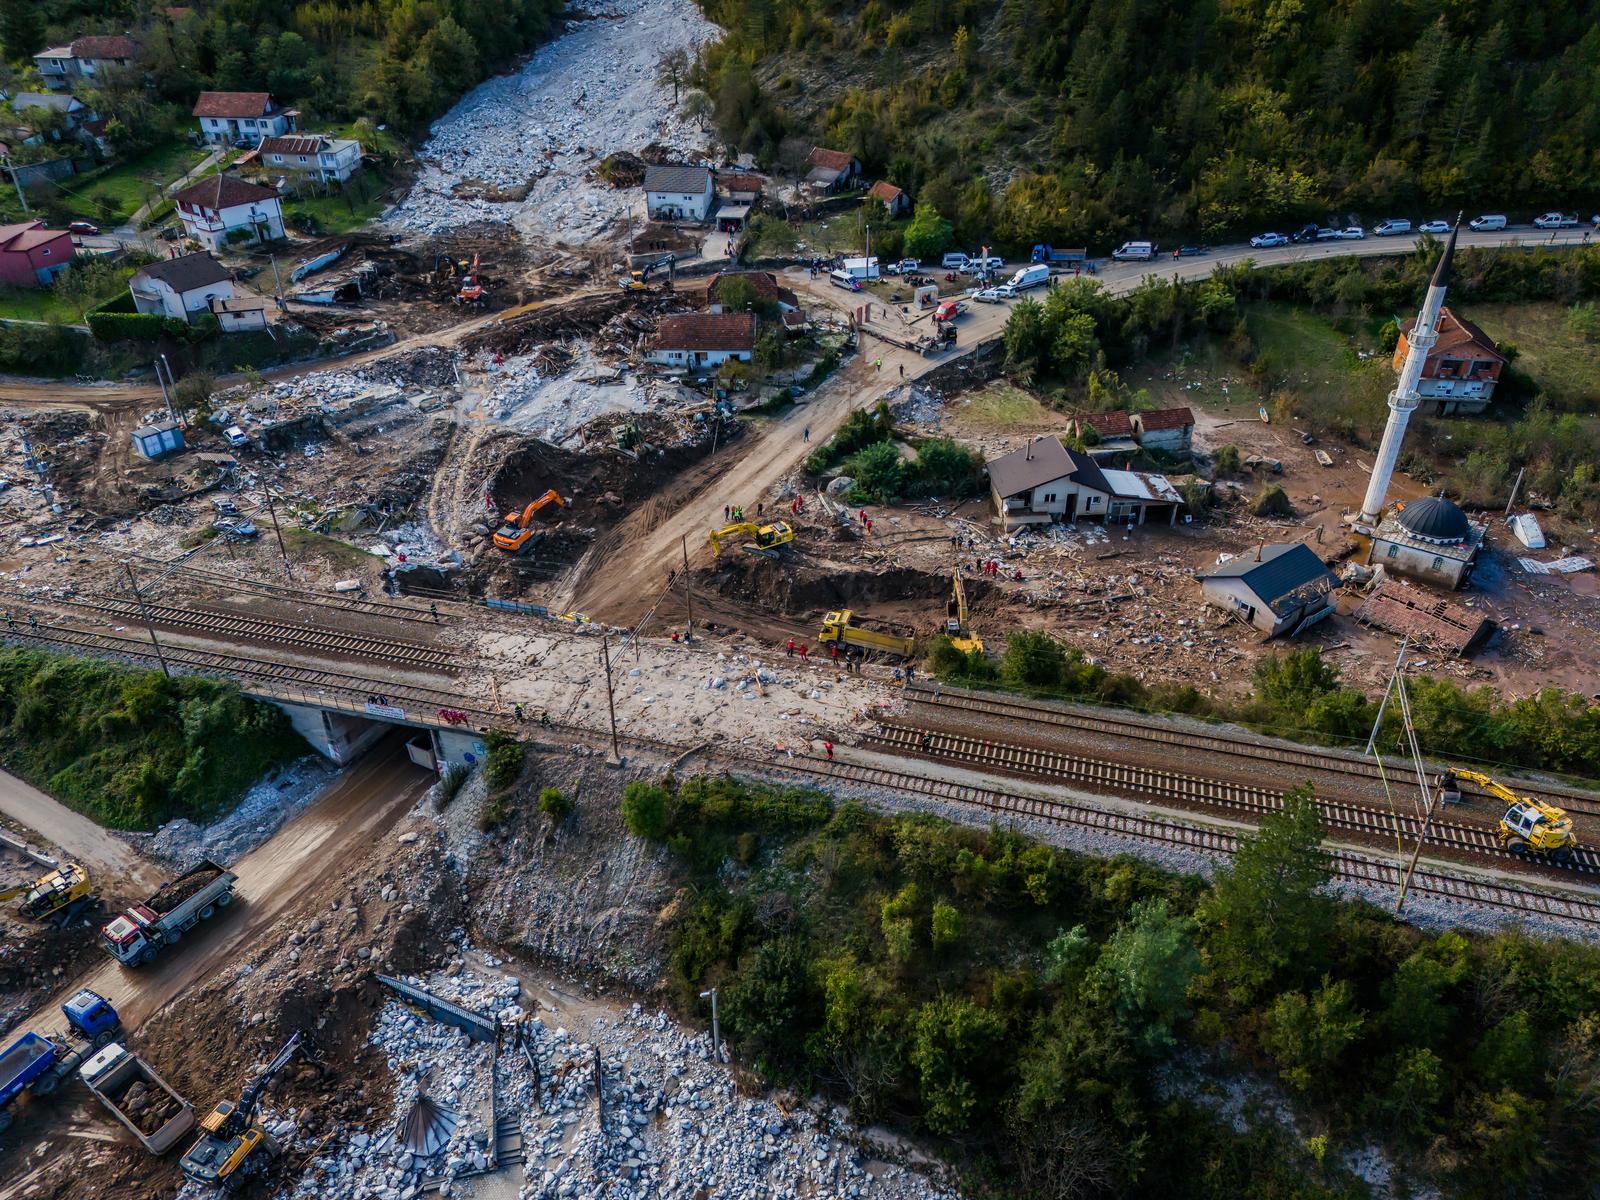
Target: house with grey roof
(674, 192)
(1046, 481)
(180, 287)
(1280, 589)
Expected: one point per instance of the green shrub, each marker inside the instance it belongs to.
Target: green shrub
(1273, 502)
(646, 808)
(116, 327)
(505, 758)
(451, 782)
(555, 804)
(1228, 464)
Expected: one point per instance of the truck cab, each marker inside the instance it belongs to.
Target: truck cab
(91, 1015)
(124, 937)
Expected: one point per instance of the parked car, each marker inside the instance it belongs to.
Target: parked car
(1555, 220)
(225, 507)
(1354, 233)
(87, 228)
(1391, 227)
(1487, 223)
(170, 233)
(1193, 251)
(989, 295)
(236, 436)
(990, 262)
(1328, 234)
(1266, 241)
(1434, 227)
(954, 261)
(235, 527)
(906, 266)
(1306, 233)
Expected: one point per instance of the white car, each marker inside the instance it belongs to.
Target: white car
(992, 263)
(1555, 220)
(1434, 227)
(1352, 233)
(905, 266)
(989, 295)
(1265, 241)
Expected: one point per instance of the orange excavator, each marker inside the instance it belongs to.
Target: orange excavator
(471, 290)
(518, 528)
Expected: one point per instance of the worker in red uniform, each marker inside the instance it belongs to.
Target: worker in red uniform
(827, 748)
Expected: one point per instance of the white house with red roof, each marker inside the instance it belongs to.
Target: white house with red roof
(242, 118)
(219, 205)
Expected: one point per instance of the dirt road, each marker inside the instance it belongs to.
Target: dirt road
(334, 835)
(74, 835)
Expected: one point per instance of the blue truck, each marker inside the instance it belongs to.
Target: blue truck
(1053, 257)
(37, 1063)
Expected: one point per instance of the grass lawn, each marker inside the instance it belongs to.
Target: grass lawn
(333, 213)
(1001, 407)
(1565, 366)
(51, 304)
(122, 188)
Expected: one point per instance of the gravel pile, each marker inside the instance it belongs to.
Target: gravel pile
(547, 127)
(674, 1126)
(263, 811)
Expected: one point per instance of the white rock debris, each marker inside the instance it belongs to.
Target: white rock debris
(263, 811)
(587, 94)
(674, 1126)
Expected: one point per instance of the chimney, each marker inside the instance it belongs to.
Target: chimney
(1028, 454)
(1260, 546)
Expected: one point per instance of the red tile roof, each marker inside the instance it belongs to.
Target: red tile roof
(234, 104)
(832, 160)
(1456, 333)
(26, 235)
(1166, 418)
(223, 191)
(885, 191)
(1108, 424)
(109, 46)
(707, 331)
(763, 283)
(740, 182)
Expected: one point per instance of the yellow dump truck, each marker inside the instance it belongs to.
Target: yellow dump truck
(841, 627)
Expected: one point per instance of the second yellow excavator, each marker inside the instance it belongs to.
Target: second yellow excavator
(956, 627)
(1528, 826)
(766, 540)
(58, 895)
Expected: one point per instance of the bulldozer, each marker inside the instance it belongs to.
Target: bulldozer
(956, 626)
(638, 281)
(768, 539)
(58, 896)
(1527, 827)
(518, 529)
(232, 1144)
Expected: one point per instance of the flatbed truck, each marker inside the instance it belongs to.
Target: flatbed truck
(35, 1064)
(136, 935)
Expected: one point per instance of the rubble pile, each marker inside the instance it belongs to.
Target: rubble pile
(261, 813)
(536, 138)
(668, 1121)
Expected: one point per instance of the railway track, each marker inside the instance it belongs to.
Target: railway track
(1139, 782)
(1574, 800)
(263, 630)
(1151, 829)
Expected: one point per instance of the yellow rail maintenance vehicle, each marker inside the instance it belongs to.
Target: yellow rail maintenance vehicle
(1528, 827)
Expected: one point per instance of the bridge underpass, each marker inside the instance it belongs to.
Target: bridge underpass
(341, 729)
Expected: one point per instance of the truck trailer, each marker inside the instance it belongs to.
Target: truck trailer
(138, 1097)
(37, 1063)
(135, 936)
(841, 627)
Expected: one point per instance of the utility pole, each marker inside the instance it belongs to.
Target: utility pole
(716, 1027)
(1515, 488)
(17, 184)
(277, 282)
(1398, 662)
(600, 1089)
(145, 613)
(273, 513)
(1428, 797)
(688, 590)
(611, 704)
(166, 396)
(172, 382)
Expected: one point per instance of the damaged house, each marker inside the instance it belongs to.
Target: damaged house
(1045, 482)
(1279, 589)
(703, 341)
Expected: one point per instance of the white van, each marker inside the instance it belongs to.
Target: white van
(956, 261)
(845, 280)
(1026, 278)
(1134, 252)
(1391, 227)
(1488, 223)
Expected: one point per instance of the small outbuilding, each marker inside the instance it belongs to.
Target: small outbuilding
(241, 314)
(158, 440)
(1279, 589)
(831, 170)
(1169, 429)
(1429, 539)
(891, 197)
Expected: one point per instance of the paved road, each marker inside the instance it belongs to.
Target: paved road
(73, 834)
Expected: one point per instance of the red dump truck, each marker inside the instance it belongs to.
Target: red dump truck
(138, 1097)
(135, 936)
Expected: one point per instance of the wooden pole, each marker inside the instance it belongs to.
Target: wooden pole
(688, 591)
(273, 513)
(611, 704)
(144, 612)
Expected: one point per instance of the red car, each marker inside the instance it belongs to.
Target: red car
(84, 227)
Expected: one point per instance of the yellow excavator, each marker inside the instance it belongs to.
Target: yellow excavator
(518, 528)
(1528, 826)
(232, 1144)
(956, 627)
(638, 281)
(58, 895)
(841, 627)
(767, 541)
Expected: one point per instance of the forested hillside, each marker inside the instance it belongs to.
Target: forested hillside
(400, 62)
(1084, 120)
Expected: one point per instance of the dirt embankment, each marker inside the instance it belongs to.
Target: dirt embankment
(802, 590)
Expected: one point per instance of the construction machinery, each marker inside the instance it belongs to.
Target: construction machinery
(767, 540)
(138, 1097)
(232, 1144)
(37, 1063)
(841, 627)
(518, 528)
(956, 627)
(135, 936)
(471, 287)
(1528, 826)
(637, 281)
(58, 896)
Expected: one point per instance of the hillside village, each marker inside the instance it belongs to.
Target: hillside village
(567, 634)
